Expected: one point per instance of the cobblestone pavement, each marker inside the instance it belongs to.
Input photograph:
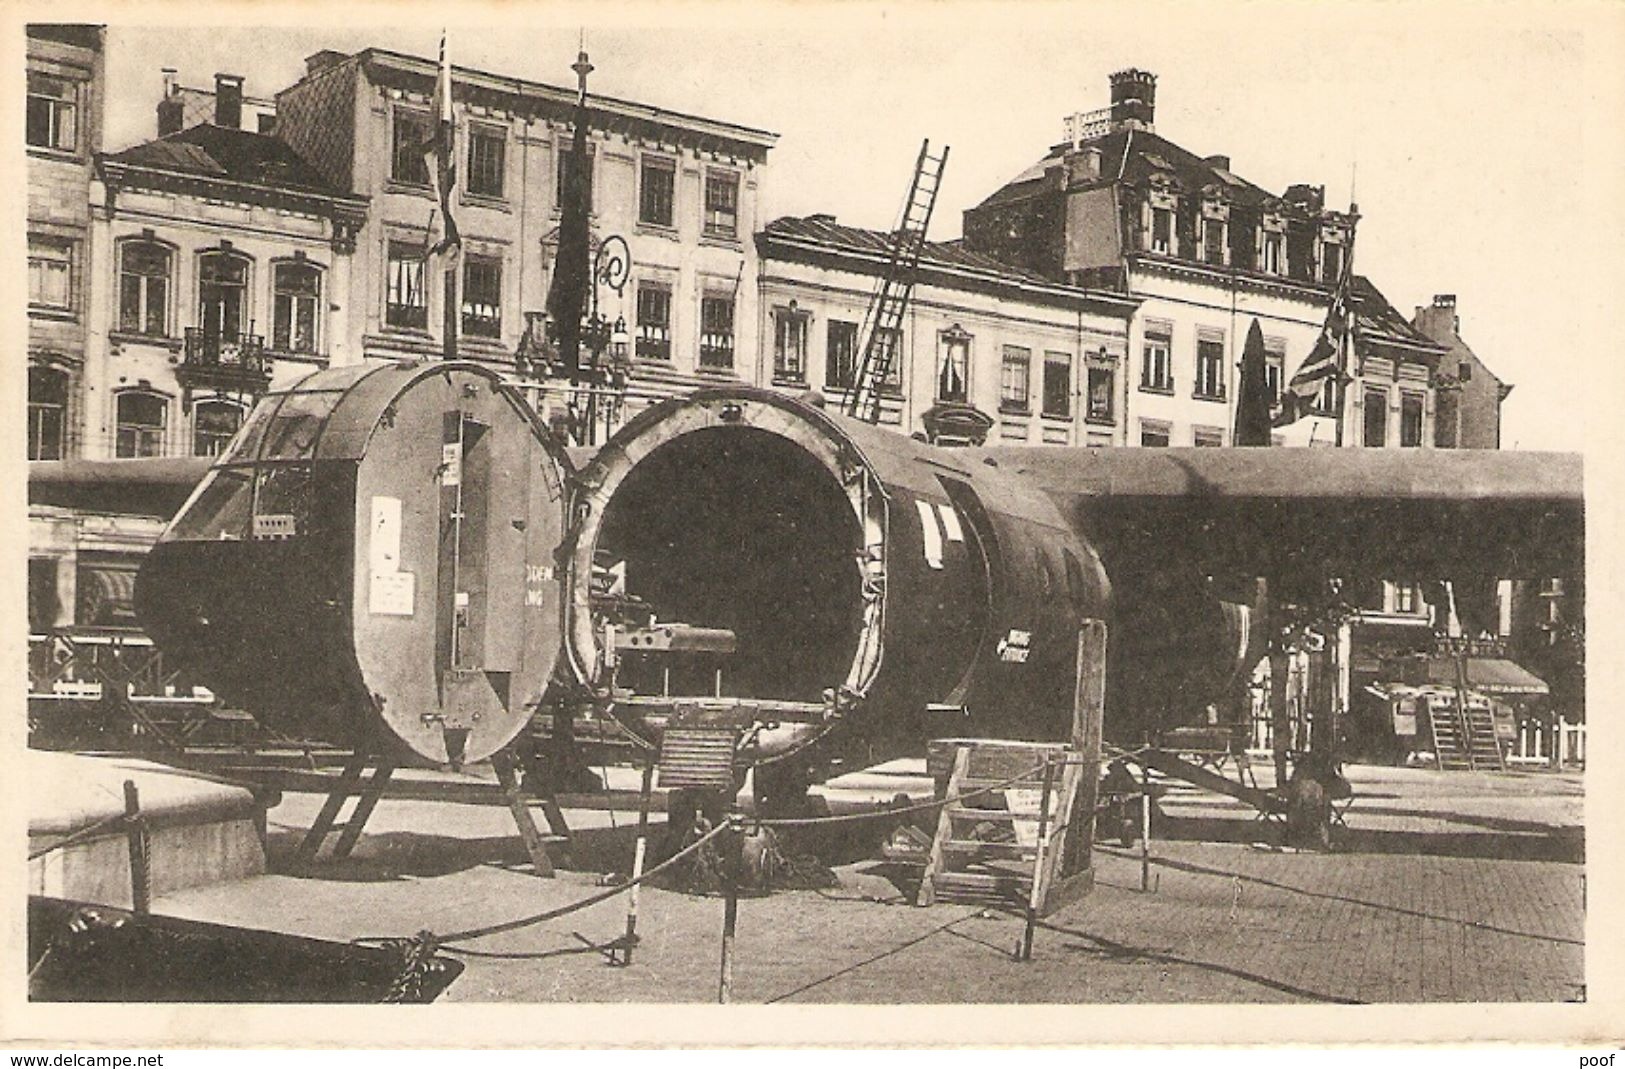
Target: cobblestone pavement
(1450, 887)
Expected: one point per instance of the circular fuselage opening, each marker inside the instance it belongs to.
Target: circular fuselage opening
(739, 529)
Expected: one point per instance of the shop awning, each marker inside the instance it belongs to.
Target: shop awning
(1488, 675)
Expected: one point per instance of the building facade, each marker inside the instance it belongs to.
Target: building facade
(1470, 394)
(1208, 253)
(680, 189)
(1042, 359)
(222, 268)
(63, 128)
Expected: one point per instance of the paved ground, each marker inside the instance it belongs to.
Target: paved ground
(1449, 887)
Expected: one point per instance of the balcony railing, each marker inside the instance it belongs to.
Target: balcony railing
(210, 349)
(236, 361)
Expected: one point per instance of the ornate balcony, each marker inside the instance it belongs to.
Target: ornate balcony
(234, 363)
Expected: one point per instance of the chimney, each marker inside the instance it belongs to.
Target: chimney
(228, 101)
(170, 115)
(1439, 320)
(1083, 166)
(1308, 197)
(1134, 99)
(1221, 162)
(320, 61)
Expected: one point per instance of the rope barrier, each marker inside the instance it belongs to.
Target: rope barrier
(79, 836)
(561, 911)
(427, 941)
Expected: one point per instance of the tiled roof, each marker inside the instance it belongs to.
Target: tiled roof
(1373, 313)
(1146, 154)
(941, 254)
(213, 151)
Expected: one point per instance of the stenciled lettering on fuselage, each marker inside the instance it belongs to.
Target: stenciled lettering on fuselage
(1015, 646)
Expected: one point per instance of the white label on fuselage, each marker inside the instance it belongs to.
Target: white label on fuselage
(931, 532)
(950, 523)
(384, 551)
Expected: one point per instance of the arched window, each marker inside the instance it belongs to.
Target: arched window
(222, 294)
(215, 423)
(142, 419)
(143, 296)
(47, 412)
(297, 286)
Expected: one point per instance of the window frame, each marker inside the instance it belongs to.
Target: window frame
(1275, 368)
(708, 227)
(832, 378)
(1011, 399)
(405, 253)
(667, 166)
(1407, 399)
(788, 325)
(1213, 225)
(1367, 393)
(1159, 338)
(707, 354)
(1092, 414)
(1051, 360)
(471, 321)
(46, 249)
(314, 347)
(487, 134)
(403, 157)
(953, 356)
(245, 305)
(209, 404)
(39, 407)
(144, 287)
(71, 102)
(157, 433)
(656, 344)
(1214, 437)
(1210, 354)
(1156, 427)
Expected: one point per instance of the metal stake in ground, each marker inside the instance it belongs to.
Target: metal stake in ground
(1145, 828)
(730, 852)
(631, 938)
(136, 832)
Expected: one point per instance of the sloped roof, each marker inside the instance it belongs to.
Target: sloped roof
(1136, 155)
(1374, 314)
(211, 151)
(952, 254)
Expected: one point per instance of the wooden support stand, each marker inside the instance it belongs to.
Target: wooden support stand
(1024, 843)
(368, 789)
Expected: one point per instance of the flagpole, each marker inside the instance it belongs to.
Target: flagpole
(1348, 325)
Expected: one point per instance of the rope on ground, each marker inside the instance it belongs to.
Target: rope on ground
(844, 818)
(562, 911)
(79, 836)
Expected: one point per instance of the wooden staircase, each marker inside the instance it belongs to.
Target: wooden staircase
(1019, 824)
(1466, 742)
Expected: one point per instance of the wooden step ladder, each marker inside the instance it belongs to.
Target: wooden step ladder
(1017, 827)
(1003, 840)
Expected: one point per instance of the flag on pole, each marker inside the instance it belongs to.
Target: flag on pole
(567, 297)
(440, 152)
(1325, 360)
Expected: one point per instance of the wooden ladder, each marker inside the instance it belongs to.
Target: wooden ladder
(1002, 841)
(1020, 817)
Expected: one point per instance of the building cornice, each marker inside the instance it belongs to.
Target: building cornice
(1228, 277)
(340, 207)
(550, 102)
